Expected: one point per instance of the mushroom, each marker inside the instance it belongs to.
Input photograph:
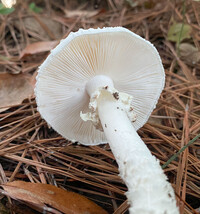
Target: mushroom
(101, 85)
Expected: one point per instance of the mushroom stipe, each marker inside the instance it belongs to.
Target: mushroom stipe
(114, 77)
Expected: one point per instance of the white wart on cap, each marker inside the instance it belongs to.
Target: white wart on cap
(131, 62)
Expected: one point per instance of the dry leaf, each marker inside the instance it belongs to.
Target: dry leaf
(38, 47)
(62, 200)
(178, 32)
(14, 88)
(189, 53)
(81, 13)
(6, 10)
(33, 27)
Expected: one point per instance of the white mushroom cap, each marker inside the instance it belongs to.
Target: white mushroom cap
(130, 61)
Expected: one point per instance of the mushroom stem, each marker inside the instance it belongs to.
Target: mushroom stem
(148, 188)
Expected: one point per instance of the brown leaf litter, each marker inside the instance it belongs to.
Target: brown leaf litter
(14, 88)
(38, 47)
(41, 195)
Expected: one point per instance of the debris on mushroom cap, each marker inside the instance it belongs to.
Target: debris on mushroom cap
(130, 61)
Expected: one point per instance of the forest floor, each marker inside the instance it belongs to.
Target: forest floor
(33, 152)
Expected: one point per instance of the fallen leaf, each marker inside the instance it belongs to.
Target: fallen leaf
(189, 53)
(62, 200)
(81, 13)
(33, 27)
(4, 10)
(186, 48)
(38, 47)
(32, 6)
(132, 3)
(14, 88)
(178, 32)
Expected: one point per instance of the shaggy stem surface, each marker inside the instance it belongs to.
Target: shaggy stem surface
(149, 192)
